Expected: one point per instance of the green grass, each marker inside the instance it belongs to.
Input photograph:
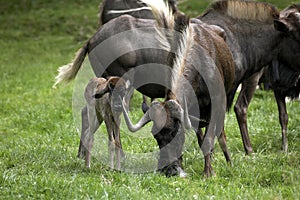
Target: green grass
(39, 139)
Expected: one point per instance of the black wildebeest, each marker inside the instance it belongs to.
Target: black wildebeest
(102, 104)
(254, 43)
(283, 74)
(202, 57)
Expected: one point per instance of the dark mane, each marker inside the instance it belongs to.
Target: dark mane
(245, 10)
(295, 6)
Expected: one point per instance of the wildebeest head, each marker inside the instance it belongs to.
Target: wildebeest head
(289, 21)
(116, 87)
(169, 120)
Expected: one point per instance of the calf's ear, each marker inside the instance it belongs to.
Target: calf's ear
(281, 26)
(100, 91)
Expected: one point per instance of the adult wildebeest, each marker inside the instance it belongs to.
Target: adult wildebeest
(115, 8)
(283, 75)
(109, 10)
(203, 60)
(254, 43)
(102, 104)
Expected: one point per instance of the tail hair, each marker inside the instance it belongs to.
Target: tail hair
(68, 72)
(162, 12)
(164, 17)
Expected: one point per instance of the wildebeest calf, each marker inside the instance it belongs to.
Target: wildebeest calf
(103, 104)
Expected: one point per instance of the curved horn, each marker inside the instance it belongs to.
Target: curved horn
(186, 120)
(143, 121)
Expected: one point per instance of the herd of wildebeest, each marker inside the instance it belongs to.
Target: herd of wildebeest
(195, 64)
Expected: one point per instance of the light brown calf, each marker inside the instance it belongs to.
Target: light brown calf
(103, 104)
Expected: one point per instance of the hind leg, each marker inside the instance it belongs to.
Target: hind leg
(84, 128)
(89, 139)
(283, 118)
(223, 145)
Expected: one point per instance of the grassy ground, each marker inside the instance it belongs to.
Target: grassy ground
(39, 140)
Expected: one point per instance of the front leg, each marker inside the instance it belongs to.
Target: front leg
(241, 107)
(118, 145)
(283, 118)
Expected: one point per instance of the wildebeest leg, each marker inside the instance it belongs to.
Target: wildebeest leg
(223, 145)
(241, 107)
(84, 127)
(221, 140)
(199, 134)
(111, 142)
(283, 118)
(89, 126)
(94, 124)
(208, 170)
(87, 137)
(117, 145)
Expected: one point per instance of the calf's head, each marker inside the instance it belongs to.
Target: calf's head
(116, 87)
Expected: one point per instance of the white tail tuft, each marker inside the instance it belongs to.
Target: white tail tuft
(63, 74)
(68, 72)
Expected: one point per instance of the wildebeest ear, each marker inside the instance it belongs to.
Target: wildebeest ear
(100, 91)
(281, 26)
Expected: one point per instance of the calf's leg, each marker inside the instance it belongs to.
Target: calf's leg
(90, 124)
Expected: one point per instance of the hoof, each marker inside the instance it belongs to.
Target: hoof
(209, 172)
(174, 170)
(182, 173)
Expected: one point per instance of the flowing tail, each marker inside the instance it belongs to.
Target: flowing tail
(178, 36)
(164, 17)
(68, 72)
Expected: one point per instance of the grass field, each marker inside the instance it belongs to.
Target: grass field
(39, 139)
